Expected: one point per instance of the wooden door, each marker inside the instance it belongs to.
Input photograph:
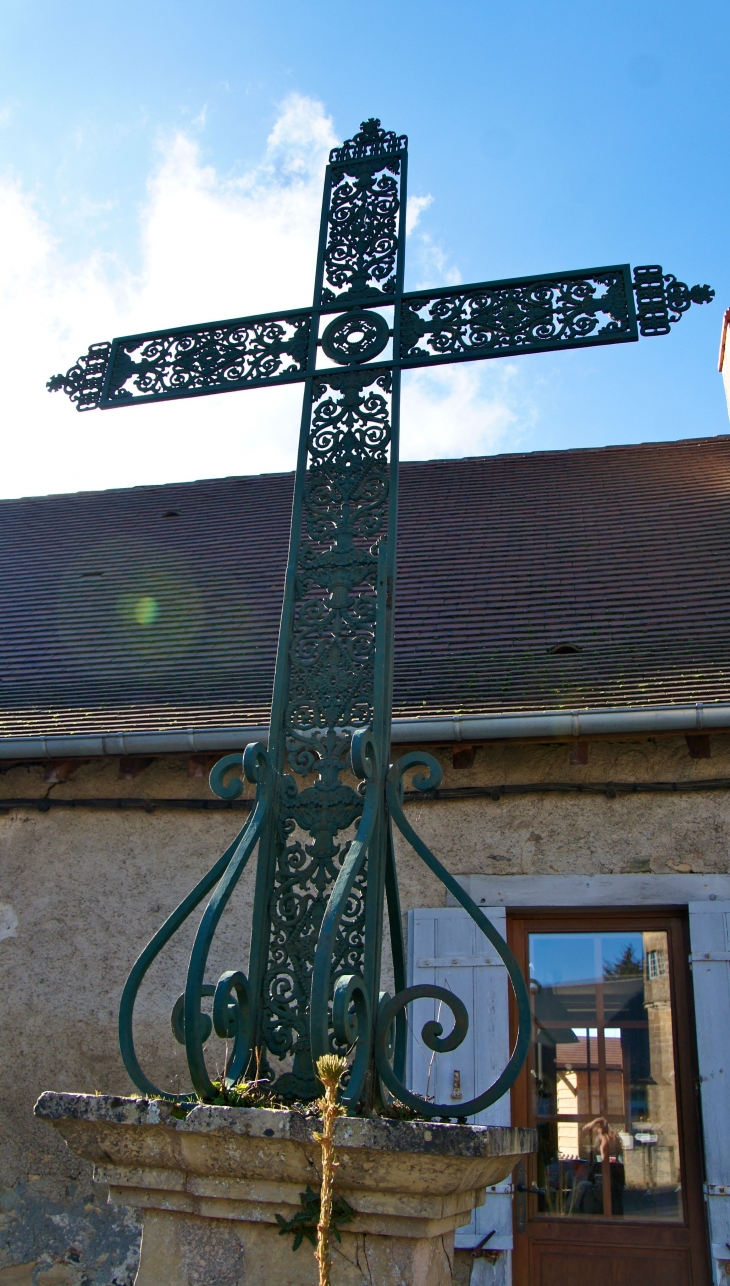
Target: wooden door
(614, 1195)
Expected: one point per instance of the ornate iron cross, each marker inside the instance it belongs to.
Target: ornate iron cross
(326, 867)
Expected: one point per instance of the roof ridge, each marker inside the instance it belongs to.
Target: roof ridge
(407, 465)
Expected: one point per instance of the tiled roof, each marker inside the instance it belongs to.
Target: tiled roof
(118, 616)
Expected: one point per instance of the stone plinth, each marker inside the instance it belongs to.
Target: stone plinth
(210, 1187)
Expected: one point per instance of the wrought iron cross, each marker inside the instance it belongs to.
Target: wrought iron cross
(326, 866)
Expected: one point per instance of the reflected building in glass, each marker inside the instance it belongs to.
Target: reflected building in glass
(604, 1075)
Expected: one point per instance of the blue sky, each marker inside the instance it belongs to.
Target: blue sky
(161, 163)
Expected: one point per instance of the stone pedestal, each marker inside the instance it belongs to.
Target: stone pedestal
(210, 1187)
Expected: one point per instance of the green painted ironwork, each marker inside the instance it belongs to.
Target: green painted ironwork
(326, 798)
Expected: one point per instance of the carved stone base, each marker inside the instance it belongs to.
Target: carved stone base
(187, 1250)
(211, 1186)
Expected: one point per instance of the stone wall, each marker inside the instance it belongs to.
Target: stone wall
(83, 890)
(573, 834)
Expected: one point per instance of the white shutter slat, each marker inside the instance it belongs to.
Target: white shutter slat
(709, 924)
(446, 948)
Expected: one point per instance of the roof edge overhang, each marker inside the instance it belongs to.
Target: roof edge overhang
(550, 725)
(723, 338)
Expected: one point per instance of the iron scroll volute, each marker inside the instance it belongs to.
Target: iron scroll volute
(231, 998)
(432, 1033)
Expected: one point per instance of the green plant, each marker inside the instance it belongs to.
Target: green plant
(305, 1222)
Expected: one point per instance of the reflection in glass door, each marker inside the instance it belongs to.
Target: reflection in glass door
(603, 1079)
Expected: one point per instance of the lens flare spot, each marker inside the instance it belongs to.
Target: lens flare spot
(146, 610)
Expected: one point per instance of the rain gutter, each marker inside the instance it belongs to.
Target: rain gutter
(558, 725)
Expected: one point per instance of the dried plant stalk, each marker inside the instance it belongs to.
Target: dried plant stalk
(330, 1069)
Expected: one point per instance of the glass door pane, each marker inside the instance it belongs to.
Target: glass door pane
(603, 1077)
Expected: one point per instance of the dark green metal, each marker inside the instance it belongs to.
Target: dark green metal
(504, 318)
(431, 1034)
(326, 866)
(490, 319)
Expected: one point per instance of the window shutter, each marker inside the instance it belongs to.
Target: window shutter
(709, 926)
(446, 948)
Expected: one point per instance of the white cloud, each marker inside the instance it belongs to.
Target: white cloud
(469, 409)
(414, 209)
(212, 247)
(431, 264)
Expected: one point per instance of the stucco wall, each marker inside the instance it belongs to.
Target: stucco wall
(571, 834)
(82, 891)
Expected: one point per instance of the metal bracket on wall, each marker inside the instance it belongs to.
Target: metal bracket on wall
(459, 962)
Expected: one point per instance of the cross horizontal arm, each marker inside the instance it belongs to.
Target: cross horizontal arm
(538, 314)
(468, 323)
(190, 361)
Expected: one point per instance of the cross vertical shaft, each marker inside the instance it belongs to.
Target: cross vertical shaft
(335, 657)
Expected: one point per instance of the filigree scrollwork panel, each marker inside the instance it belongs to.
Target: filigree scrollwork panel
(208, 359)
(362, 233)
(502, 318)
(331, 682)
(304, 880)
(345, 507)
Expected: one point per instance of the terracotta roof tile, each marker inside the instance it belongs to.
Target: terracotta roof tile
(115, 617)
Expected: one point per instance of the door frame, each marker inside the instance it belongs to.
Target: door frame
(594, 1235)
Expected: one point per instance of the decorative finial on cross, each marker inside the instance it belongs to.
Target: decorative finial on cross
(370, 141)
(370, 130)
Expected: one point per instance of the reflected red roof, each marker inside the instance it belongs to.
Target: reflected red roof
(569, 1056)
